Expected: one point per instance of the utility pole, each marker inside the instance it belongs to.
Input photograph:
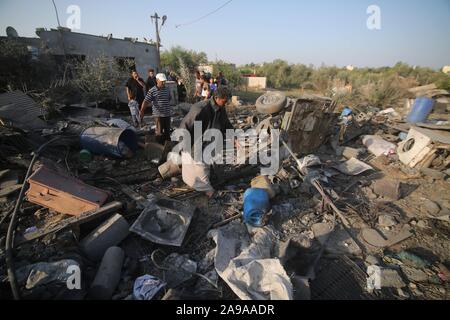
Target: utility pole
(156, 18)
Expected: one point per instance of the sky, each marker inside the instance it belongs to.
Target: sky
(244, 31)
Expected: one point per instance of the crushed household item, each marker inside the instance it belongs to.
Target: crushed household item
(256, 206)
(247, 265)
(378, 146)
(353, 167)
(420, 111)
(63, 193)
(21, 111)
(109, 141)
(146, 287)
(420, 146)
(44, 273)
(179, 269)
(164, 222)
(108, 274)
(387, 239)
(109, 233)
(309, 123)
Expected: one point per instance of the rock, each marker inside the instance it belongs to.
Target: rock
(430, 207)
(402, 294)
(372, 260)
(386, 221)
(388, 188)
(390, 278)
(434, 174)
(414, 275)
(422, 224)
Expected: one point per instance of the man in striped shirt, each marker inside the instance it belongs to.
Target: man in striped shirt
(159, 98)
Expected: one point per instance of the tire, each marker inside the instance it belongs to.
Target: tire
(271, 102)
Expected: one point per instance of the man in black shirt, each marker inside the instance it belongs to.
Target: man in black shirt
(212, 115)
(136, 85)
(151, 80)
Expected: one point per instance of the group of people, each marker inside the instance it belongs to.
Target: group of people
(206, 85)
(153, 93)
(209, 110)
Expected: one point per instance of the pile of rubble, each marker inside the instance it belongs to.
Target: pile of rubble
(358, 210)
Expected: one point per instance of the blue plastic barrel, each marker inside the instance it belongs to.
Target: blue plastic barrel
(109, 141)
(420, 110)
(256, 205)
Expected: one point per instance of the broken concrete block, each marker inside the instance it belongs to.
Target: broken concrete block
(109, 233)
(430, 207)
(390, 278)
(387, 188)
(434, 174)
(108, 274)
(414, 275)
(349, 152)
(386, 221)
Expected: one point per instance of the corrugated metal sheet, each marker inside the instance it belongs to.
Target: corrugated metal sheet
(21, 110)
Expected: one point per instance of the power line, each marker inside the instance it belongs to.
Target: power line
(203, 17)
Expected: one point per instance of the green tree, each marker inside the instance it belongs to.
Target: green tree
(170, 59)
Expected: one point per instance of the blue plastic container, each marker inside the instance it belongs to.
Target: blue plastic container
(256, 205)
(109, 141)
(421, 110)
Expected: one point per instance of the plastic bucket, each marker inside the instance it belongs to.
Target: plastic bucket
(420, 110)
(256, 205)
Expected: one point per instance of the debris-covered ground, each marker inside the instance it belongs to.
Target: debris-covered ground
(362, 212)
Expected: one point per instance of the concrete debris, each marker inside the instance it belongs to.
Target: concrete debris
(388, 188)
(329, 200)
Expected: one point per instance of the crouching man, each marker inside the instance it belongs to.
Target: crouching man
(211, 114)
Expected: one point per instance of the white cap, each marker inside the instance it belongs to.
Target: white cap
(161, 77)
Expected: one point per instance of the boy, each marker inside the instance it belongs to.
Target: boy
(134, 110)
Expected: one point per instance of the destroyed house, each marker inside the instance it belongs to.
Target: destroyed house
(63, 43)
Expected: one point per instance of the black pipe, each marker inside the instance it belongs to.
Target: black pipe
(12, 224)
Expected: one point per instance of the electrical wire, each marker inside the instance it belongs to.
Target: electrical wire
(12, 225)
(203, 17)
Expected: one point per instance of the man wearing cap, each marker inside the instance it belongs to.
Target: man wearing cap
(159, 98)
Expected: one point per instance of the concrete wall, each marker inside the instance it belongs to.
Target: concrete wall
(64, 42)
(255, 82)
(446, 69)
(71, 43)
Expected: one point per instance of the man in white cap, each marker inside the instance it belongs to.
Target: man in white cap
(159, 98)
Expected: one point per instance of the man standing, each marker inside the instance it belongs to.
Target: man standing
(221, 81)
(212, 115)
(135, 85)
(151, 80)
(159, 98)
